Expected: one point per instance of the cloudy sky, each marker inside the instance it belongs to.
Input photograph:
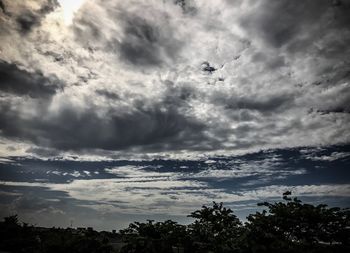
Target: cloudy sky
(113, 111)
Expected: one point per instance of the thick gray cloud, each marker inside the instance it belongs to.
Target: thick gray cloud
(144, 44)
(294, 23)
(157, 127)
(268, 104)
(186, 5)
(108, 94)
(315, 31)
(3, 7)
(23, 83)
(27, 21)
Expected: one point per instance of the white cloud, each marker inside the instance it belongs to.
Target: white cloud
(138, 172)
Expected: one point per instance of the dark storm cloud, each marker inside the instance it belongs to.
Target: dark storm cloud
(20, 82)
(335, 110)
(29, 19)
(156, 126)
(144, 44)
(264, 104)
(145, 39)
(49, 6)
(267, 105)
(279, 22)
(108, 94)
(296, 23)
(43, 152)
(3, 7)
(338, 102)
(186, 6)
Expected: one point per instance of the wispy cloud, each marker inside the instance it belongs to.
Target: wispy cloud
(331, 157)
(171, 197)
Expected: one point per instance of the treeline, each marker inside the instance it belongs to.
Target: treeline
(286, 226)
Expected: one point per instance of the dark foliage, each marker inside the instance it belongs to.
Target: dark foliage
(292, 226)
(16, 237)
(289, 226)
(216, 229)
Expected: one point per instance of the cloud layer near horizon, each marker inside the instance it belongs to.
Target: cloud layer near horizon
(105, 194)
(173, 77)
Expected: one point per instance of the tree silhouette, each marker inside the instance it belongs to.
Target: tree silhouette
(292, 226)
(216, 228)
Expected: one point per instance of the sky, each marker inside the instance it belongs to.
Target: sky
(114, 111)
